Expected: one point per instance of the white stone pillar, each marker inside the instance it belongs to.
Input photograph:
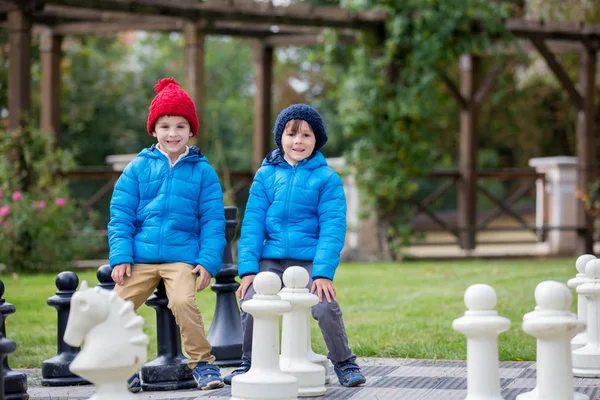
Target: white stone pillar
(560, 204)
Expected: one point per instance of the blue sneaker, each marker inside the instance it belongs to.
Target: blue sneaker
(134, 383)
(208, 376)
(349, 374)
(242, 369)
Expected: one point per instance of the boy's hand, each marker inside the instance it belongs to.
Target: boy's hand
(119, 271)
(246, 282)
(204, 277)
(323, 286)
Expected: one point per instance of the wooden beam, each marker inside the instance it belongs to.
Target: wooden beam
(462, 103)
(194, 68)
(467, 184)
(559, 72)
(487, 85)
(207, 10)
(19, 68)
(304, 40)
(586, 147)
(50, 49)
(263, 76)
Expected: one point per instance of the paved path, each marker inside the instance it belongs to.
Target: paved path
(387, 379)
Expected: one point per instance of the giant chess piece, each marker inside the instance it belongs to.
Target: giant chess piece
(586, 359)
(316, 357)
(294, 334)
(533, 394)
(6, 347)
(55, 371)
(482, 325)
(225, 333)
(264, 380)
(15, 383)
(581, 339)
(169, 370)
(554, 326)
(115, 345)
(103, 274)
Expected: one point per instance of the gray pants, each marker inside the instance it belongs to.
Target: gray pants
(328, 315)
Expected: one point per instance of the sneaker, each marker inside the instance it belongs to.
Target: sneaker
(349, 374)
(208, 376)
(242, 369)
(134, 383)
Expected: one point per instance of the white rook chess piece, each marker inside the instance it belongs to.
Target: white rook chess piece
(294, 334)
(580, 339)
(554, 326)
(264, 380)
(482, 325)
(533, 394)
(586, 360)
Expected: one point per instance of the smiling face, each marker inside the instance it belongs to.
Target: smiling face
(172, 133)
(297, 141)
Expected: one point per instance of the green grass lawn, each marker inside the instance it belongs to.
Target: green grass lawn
(390, 309)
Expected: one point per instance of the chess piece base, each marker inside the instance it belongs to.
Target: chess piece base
(322, 361)
(260, 385)
(586, 364)
(162, 374)
(532, 395)
(579, 341)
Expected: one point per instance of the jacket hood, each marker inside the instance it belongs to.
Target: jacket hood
(276, 157)
(195, 155)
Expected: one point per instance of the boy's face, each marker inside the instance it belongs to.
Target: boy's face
(172, 133)
(299, 143)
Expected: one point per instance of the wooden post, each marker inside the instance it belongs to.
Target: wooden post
(467, 184)
(19, 68)
(586, 147)
(50, 45)
(194, 69)
(263, 75)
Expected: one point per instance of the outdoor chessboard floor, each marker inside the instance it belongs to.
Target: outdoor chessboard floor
(387, 379)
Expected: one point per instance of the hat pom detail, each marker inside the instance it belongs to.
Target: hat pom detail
(163, 83)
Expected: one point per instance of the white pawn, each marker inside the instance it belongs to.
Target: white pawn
(581, 339)
(533, 394)
(294, 334)
(554, 326)
(482, 325)
(316, 357)
(264, 380)
(586, 360)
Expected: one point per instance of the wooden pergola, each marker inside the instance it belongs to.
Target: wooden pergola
(302, 24)
(267, 24)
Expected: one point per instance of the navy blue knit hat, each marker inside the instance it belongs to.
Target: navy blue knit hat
(303, 112)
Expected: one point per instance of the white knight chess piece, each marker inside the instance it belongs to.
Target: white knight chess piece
(115, 345)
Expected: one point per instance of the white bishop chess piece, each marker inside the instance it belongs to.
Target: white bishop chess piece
(554, 326)
(580, 339)
(586, 359)
(114, 344)
(294, 334)
(264, 380)
(482, 325)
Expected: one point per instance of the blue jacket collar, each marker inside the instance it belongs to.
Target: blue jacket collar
(195, 155)
(275, 157)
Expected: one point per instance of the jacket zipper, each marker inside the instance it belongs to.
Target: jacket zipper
(285, 214)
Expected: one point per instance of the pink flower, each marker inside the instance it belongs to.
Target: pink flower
(16, 196)
(39, 204)
(4, 210)
(60, 202)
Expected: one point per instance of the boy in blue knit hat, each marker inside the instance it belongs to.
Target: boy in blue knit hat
(296, 216)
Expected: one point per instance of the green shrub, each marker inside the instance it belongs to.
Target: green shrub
(41, 226)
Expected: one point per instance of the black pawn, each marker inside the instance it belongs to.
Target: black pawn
(104, 277)
(15, 383)
(6, 347)
(55, 371)
(169, 370)
(225, 334)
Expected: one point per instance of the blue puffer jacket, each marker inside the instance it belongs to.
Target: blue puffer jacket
(160, 214)
(297, 213)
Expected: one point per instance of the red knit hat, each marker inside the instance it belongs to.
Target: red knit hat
(172, 100)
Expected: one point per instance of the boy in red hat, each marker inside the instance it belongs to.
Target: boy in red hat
(167, 222)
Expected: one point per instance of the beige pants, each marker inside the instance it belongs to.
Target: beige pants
(180, 285)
